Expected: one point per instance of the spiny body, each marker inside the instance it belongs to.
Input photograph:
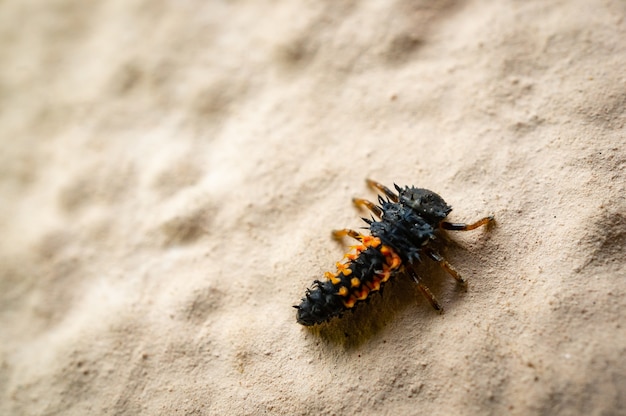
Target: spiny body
(409, 221)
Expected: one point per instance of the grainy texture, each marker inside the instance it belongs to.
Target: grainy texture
(170, 171)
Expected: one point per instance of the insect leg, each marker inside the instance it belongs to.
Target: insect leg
(443, 263)
(425, 291)
(459, 226)
(369, 205)
(383, 189)
(347, 232)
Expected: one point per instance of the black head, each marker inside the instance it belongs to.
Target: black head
(425, 203)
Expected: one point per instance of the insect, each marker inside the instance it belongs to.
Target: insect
(408, 221)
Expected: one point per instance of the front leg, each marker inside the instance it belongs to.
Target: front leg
(459, 226)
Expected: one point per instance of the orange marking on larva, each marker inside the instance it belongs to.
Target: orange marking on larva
(363, 293)
(350, 256)
(394, 262)
(385, 274)
(371, 241)
(344, 268)
(343, 291)
(332, 277)
(349, 303)
(391, 258)
(374, 285)
(355, 282)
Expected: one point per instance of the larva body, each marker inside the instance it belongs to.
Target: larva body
(408, 222)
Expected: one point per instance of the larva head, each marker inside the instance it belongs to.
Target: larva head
(425, 203)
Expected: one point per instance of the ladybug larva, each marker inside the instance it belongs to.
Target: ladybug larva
(409, 221)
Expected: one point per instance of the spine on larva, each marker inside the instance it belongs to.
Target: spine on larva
(368, 268)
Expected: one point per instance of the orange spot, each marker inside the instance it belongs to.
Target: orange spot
(343, 291)
(374, 284)
(355, 282)
(358, 248)
(395, 261)
(332, 277)
(391, 258)
(350, 302)
(370, 241)
(350, 256)
(362, 295)
(385, 275)
(344, 268)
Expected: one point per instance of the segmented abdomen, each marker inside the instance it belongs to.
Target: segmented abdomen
(368, 268)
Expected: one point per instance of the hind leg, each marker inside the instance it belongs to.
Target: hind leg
(369, 205)
(383, 189)
(347, 232)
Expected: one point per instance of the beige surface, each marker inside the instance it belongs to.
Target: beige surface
(170, 172)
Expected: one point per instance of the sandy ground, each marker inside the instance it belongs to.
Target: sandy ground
(170, 172)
